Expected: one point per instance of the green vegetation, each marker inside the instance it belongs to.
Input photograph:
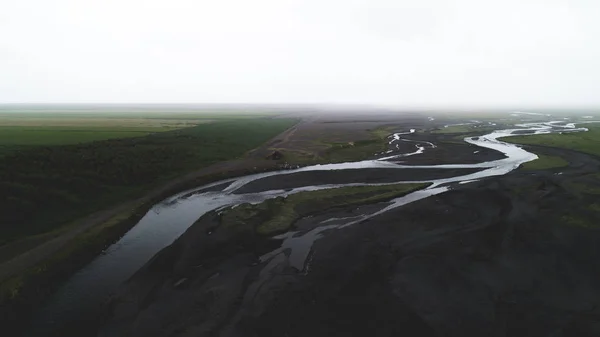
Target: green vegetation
(20, 292)
(466, 129)
(44, 187)
(362, 149)
(62, 135)
(585, 188)
(382, 133)
(545, 162)
(86, 117)
(18, 131)
(588, 142)
(579, 221)
(278, 215)
(455, 129)
(97, 236)
(594, 207)
(337, 152)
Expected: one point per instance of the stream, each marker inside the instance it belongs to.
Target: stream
(87, 289)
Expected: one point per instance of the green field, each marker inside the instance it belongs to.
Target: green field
(456, 129)
(43, 187)
(54, 135)
(359, 150)
(545, 162)
(322, 151)
(18, 131)
(18, 138)
(470, 128)
(588, 142)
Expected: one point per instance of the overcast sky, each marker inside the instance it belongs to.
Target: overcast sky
(427, 53)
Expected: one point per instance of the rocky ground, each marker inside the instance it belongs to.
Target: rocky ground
(514, 255)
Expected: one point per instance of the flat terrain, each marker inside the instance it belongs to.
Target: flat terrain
(21, 130)
(504, 256)
(333, 139)
(510, 255)
(545, 162)
(43, 187)
(588, 142)
(70, 190)
(276, 216)
(19, 138)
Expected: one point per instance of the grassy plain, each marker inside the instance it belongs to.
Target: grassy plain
(588, 142)
(456, 129)
(19, 131)
(19, 138)
(42, 187)
(545, 162)
(323, 150)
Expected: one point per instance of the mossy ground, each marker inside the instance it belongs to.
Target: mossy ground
(278, 215)
(545, 162)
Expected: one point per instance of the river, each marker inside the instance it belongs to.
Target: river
(86, 290)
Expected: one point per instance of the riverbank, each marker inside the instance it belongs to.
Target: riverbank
(45, 187)
(29, 278)
(33, 267)
(504, 256)
(171, 218)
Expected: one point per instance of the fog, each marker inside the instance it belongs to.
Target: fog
(425, 53)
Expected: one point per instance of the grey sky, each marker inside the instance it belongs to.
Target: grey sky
(408, 53)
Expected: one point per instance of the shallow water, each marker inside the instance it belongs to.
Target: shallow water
(166, 221)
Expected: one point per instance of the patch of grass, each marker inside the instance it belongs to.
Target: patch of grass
(87, 239)
(11, 288)
(588, 142)
(455, 129)
(278, 215)
(336, 152)
(55, 135)
(465, 130)
(584, 188)
(545, 162)
(594, 207)
(45, 187)
(117, 117)
(382, 133)
(579, 221)
(21, 293)
(356, 151)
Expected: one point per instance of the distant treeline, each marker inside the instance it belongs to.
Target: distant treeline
(45, 187)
